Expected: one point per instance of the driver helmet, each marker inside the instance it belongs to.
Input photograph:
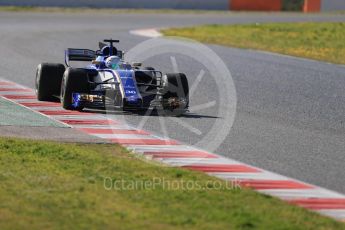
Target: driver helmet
(113, 62)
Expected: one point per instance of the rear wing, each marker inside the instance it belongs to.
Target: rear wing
(72, 54)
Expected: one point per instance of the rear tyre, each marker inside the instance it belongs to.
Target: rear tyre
(73, 81)
(48, 81)
(175, 90)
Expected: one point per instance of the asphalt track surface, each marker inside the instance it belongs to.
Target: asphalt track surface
(290, 111)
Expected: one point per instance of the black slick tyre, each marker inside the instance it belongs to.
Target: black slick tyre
(48, 80)
(73, 81)
(175, 93)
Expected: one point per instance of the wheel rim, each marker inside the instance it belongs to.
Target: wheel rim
(37, 82)
(62, 92)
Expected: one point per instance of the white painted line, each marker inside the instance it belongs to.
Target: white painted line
(302, 193)
(157, 148)
(123, 136)
(151, 33)
(23, 100)
(248, 176)
(104, 127)
(198, 161)
(334, 213)
(17, 93)
(76, 117)
(11, 87)
(45, 108)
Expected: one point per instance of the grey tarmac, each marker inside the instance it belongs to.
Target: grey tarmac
(290, 111)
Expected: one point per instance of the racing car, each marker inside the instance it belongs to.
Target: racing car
(108, 81)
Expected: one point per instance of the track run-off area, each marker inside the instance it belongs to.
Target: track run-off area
(289, 116)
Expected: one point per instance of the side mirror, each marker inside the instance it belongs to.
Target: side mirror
(137, 64)
(120, 54)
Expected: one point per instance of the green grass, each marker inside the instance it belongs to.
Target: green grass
(320, 41)
(46, 185)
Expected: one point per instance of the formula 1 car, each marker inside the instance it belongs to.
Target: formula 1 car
(109, 80)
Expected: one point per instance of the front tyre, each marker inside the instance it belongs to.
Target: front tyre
(175, 90)
(73, 81)
(48, 80)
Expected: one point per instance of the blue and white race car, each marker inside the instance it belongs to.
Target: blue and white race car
(110, 82)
